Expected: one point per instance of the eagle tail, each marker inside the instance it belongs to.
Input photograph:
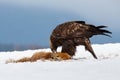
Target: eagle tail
(101, 31)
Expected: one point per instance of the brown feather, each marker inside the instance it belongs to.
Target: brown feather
(74, 33)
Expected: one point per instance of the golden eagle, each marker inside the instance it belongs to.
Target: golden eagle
(74, 33)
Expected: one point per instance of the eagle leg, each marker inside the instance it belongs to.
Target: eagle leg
(69, 47)
(89, 48)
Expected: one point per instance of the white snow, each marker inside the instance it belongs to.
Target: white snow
(84, 67)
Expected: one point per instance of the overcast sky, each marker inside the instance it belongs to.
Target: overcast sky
(46, 14)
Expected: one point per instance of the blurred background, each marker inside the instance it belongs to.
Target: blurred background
(27, 24)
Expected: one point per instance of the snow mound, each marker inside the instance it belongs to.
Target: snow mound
(82, 67)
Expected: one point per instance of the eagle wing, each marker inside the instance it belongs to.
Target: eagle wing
(72, 30)
(78, 29)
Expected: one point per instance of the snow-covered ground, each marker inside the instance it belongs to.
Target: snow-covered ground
(83, 67)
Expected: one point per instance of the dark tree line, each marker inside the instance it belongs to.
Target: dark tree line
(12, 47)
